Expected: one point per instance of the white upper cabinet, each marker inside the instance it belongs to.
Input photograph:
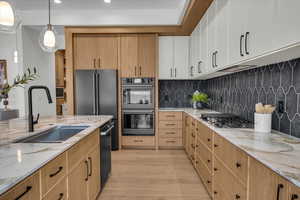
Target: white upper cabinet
(212, 30)
(166, 57)
(173, 57)
(286, 22)
(203, 64)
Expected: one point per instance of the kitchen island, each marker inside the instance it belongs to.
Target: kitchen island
(20, 160)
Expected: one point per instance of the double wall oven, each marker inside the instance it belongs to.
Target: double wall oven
(138, 106)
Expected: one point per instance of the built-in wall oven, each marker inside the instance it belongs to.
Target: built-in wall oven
(138, 106)
(138, 93)
(138, 122)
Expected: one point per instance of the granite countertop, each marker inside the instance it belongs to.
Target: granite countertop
(278, 151)
(20, 160)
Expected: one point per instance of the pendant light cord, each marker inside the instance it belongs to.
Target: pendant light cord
(49, 10)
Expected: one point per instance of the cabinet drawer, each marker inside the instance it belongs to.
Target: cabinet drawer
(219, 193)
(231, 186)
(170, 142)
(204, 174)
(166, 133)
(147, 141)
(205, 154)
(79, 150)
(205, 135)
(53, 172)
(170, 116)
(233, 157)
(29, 189)
(170, 124)
(58, 192)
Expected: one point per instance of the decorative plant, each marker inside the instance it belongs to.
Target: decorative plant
(19, 81)
(200, 97)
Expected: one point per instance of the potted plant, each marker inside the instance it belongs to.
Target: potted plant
(200, 100)
(19, 81)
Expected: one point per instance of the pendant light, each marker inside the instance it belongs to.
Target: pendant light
(8, 21)
(47, 38)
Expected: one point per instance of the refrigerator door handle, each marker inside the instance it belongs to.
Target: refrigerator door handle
(98, 93)
(94, 88)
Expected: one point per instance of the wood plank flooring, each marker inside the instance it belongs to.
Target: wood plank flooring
(153, 175)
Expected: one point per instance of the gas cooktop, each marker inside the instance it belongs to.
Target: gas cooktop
(225, 120)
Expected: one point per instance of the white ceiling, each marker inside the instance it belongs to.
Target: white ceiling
(97, 13)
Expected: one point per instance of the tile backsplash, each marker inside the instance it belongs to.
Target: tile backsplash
(239, 92)
(178, 93)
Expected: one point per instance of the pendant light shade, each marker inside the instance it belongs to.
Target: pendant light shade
(7, 16)
(47, 38)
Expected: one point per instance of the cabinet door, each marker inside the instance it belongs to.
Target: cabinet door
(192, 56)
(166, 57)
(59, 68)
(267, 187)
(85, 51)
(212, 28)
(181, 55)
(237, 19)
(147, 49)
(94, 173)
(204, 65)
(287, 23)
(259, 27)
(294, 192)
(221, 57)
(129, 55)
(77, 181)
(107, 52)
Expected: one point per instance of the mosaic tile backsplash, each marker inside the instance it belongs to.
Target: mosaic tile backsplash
(178, 93)
(238, 93)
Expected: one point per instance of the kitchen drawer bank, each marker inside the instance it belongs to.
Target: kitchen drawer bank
(237, 151)
(45, 171)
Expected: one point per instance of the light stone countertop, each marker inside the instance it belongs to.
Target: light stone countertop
(20, 160)
(278, 151)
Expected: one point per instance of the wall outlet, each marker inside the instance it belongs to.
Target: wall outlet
(281, 107)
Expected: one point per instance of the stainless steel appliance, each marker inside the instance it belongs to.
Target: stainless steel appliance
(97, 94)
(138, 93)
(138, 122)
(105, 152)
(224, 120)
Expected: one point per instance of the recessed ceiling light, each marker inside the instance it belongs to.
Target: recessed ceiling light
(58, 1)
(107, 1)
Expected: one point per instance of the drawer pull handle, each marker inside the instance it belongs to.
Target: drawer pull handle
(61, 196)
(279, 187)
(138, 140)
(208, 182)
(215, 169)
(208, 161)
(170, 124)
(238, 165)
(193, 135)
(237, 196)
(215, 192)
(294, 196)
(57, 172)
(216, 145)
(91, 166)
(197, 129)
(170, 141)
(208, 140)
(197, 162)
(170, 115)
(170, 133)
(28, 188)
(87, 170)
(193, 146)
(197, 145)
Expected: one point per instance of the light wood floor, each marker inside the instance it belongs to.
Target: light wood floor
(153, 175)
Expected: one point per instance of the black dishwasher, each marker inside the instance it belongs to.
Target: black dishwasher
(105, 152)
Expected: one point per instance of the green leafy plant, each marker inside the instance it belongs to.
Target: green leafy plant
(19, 81)
(200, 97)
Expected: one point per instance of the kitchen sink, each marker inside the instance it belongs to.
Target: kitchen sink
(57, 134)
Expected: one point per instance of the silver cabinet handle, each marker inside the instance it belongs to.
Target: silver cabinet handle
(199, 67)
(246, 42)
(192, 67)
(171, 72)
(175, 72)
(216, 59)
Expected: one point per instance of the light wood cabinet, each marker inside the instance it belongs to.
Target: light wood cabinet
(294, 192)
(60, 68)
(28, 189)
(95, 51)
(94, 173)
(138, 55)
(77, 182)
(59, 192)
(265, 184)
(138, 141)
(205, 174)
(205, 135)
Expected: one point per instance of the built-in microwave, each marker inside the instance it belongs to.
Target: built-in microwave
(138, 93)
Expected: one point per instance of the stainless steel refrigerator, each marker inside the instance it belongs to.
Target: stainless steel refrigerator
(97, 94)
